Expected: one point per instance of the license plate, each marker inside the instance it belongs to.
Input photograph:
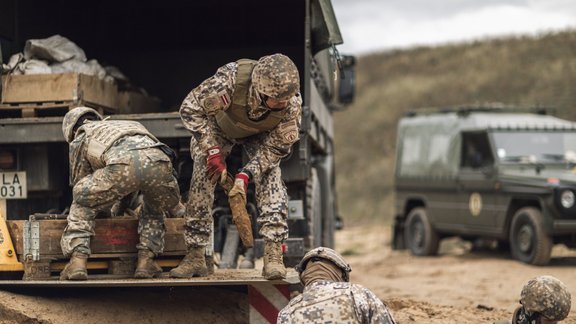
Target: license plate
(13, 185)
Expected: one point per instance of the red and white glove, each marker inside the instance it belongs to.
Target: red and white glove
(215, 165)
(240, 186)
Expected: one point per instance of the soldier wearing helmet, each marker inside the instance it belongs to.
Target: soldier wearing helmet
(255, 104)
(543, 300)
(329, 297)
(110, 160)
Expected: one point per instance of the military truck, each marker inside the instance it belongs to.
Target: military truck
(505, 175)
(168, 48)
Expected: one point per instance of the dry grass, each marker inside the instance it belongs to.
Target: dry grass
(526, 71)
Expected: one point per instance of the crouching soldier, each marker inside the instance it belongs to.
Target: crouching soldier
(329, 297)
(109, 160)
(543, 300)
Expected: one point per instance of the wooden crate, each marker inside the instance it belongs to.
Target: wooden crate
(113, 247)
(50, 90)
(113, 237)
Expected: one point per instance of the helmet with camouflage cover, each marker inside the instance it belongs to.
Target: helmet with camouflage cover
(327, 254)
(71, 119)
(276, 76)
(546, 296)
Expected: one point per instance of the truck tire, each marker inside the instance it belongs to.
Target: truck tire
(529, 242)
(421, 238)
(314, 210)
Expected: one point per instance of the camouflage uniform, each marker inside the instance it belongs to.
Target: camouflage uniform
(132, 163)
(335, 302)
(265, 150)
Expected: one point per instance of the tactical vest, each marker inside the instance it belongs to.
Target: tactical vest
(334, 303)
(234, 121)
(101, 135)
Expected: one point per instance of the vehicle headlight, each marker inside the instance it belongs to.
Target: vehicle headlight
(567, 198)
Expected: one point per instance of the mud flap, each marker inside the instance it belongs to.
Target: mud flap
(230, 250)
(398, 242)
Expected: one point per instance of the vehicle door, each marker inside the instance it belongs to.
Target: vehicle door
(477, 193)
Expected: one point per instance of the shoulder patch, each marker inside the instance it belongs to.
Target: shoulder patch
(289, 130)
(216, 102)
(210, 104)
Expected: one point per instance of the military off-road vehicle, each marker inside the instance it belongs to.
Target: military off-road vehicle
(486, 173)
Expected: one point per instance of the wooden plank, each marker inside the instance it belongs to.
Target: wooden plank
(113, 236)
(37, 105)
(45, 109)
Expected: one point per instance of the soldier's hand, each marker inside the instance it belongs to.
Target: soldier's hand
(215, 165)
(240, 186)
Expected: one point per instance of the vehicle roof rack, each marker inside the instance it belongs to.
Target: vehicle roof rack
(466, 109)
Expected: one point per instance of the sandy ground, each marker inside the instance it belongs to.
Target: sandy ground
(458, 286)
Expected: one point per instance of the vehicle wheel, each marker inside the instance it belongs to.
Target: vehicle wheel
(529, 242)
(420, 237)
(314, 210)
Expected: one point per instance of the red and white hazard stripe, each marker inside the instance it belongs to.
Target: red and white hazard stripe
(266, 301)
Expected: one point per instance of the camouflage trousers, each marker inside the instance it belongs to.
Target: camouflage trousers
(271, 200)
(148, 171)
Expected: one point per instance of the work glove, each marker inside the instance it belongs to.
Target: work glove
(215, 165)
(240, 186)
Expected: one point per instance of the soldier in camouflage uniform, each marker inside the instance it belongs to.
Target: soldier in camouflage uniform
(256, 104)
(544, 300)
(328, 297)
(109, 160)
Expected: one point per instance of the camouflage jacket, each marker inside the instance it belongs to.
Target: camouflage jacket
(117, 154)
(335, 302)
(199, 108)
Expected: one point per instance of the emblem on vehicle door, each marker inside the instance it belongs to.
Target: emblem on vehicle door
(475, 204)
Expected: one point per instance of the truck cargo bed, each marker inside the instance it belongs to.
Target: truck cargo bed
(221, 277)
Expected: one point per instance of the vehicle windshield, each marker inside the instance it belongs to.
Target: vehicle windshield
(535, 146)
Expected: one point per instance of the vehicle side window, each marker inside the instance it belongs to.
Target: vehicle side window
(476, 151)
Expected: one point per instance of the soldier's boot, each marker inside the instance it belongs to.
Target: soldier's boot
(146, 267)
(273, 261)
(76, 267)
(193, 265)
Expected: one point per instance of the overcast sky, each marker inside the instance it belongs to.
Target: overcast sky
(375, 25)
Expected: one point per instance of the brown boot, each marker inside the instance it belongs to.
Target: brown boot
(146, 268)
(76, 268)
(193, 265)
(273, 261)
